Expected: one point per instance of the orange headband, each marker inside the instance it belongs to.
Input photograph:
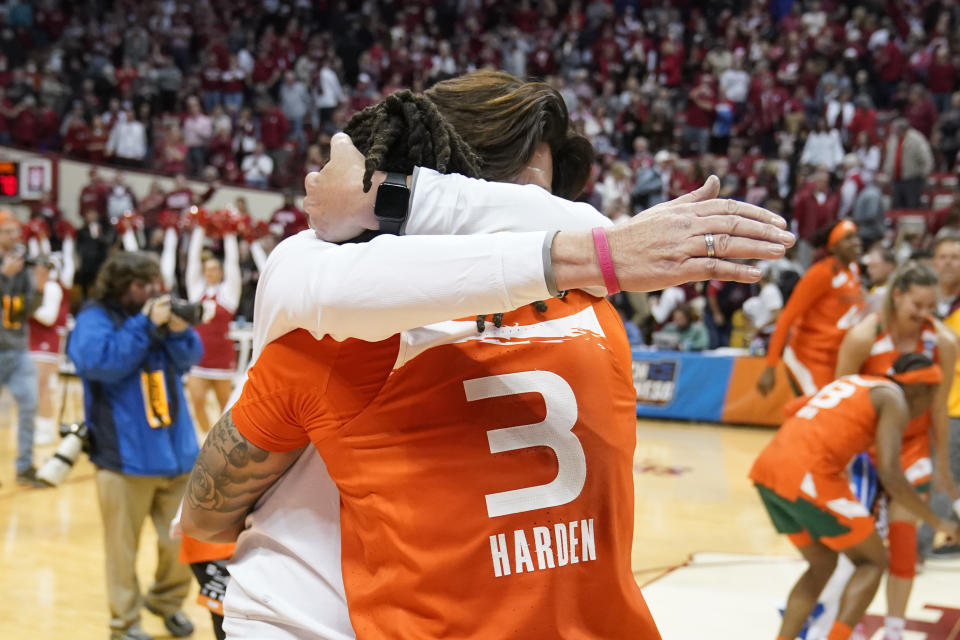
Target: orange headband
(7, 217)
(927, 375)
(843, 228)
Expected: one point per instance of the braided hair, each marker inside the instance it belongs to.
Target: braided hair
(407, 130)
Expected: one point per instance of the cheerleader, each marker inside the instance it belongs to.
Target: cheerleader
(217, 285)
(48, 325)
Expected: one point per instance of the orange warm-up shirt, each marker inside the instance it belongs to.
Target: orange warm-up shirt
(880, 363)
(821, 438)
(487, 490)
(826, 302)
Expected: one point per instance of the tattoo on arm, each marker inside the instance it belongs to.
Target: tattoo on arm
(231, 473)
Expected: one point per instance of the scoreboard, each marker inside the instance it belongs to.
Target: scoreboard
(25, 179)
(9, 180)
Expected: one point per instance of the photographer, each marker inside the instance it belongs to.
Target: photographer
(131, 352)
(20, 298)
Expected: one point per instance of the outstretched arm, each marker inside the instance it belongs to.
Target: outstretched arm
(232, 277)
(193, 277)
(69, 269)
(168, 258)
(892, 418)
(401, 283)
(230, 475)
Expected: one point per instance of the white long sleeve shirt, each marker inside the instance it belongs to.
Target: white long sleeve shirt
(332, 289)
(410, 281)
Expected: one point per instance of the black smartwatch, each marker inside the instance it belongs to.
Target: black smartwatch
(393, 200)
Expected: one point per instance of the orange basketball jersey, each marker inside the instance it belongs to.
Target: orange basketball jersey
(880, 363)
(487, 490)
(822, 437)
(826, 302)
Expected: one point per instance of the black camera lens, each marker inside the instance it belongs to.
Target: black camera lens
(192, 312)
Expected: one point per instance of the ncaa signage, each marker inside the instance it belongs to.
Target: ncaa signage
(655, 381)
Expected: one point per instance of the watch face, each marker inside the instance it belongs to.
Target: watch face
(392, 201)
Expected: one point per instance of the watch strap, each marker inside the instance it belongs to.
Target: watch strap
(392, 222)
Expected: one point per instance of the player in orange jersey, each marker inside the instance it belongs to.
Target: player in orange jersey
(504, 476)
(457, 502)
(906, 325)
(803, 482)
(826, 302)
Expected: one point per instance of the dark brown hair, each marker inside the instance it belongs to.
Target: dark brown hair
(909, 274)
(120, 270)
(484, 124)
(504, 119)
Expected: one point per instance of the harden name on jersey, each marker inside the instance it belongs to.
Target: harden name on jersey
(565, 543)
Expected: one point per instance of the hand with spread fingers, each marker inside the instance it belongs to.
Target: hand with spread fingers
(694, 237)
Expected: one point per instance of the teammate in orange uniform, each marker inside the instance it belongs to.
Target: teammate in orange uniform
(802, 479)
(826, 302)
(509, 481)
(906, 325)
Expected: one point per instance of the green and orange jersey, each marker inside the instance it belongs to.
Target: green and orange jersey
(827, 301)
(486, 486)
(821, 438)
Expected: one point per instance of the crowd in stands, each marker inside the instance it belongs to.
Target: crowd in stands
(114, 217)
(816, 109)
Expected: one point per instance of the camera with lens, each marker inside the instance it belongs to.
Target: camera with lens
(192, 312)
(76, 438)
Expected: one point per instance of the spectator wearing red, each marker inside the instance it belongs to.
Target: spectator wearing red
(265, 73)
(113, 114)
(172, 156)
(221, 150)
(152, 204)
(541, 62)
(232, 80)
(93, 195)
(864, 119)
(180, 198)
(767, 113)
(670, 66)
(274, 127)
(889, 63)
(699, 115)
(25, 123)
(942, 78)
(288, 219)
(124, 78)
(74, 132)
(97, 141)
(197, 132)
(920, 111)
(815, 206)
(8, 114)
(211, 82)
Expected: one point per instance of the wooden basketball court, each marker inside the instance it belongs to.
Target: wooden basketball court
(692, 496)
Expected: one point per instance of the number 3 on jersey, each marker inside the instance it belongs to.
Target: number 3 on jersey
(554, 431)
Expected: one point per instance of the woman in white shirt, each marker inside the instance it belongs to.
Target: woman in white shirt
(127, 143)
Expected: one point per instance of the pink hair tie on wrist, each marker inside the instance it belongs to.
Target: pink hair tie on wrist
(606, 262)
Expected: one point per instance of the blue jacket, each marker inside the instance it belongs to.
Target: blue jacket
(133, 391)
